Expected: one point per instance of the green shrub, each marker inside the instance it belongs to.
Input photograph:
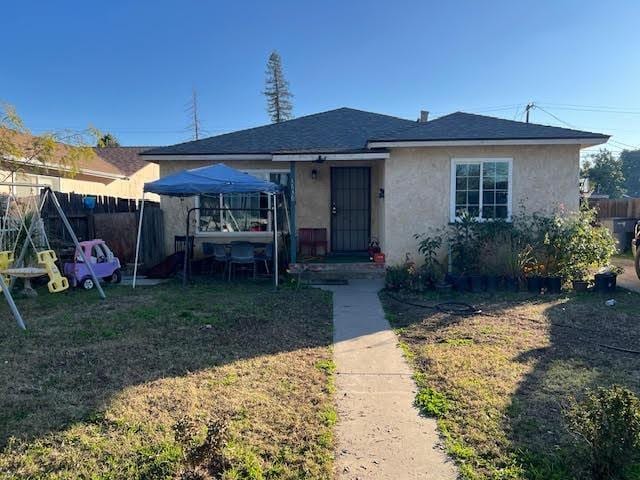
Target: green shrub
(606, 426)
(398, 277)
(431, 402)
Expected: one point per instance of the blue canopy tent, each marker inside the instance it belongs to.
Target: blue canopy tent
(210, 180)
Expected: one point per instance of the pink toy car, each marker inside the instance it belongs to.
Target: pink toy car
(104, 263)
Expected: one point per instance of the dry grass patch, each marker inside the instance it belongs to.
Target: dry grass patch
(213, 381)
(499, 383)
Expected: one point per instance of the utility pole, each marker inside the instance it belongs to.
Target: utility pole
(192, 110)
(529, 106)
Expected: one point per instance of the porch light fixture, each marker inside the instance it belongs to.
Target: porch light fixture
(314, 174)
(381, 193)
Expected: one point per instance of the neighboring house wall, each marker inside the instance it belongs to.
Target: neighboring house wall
(123, 188)
(89, 185)
(418, 185)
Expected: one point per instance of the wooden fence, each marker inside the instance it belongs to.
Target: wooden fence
(115, 220)
(619, 207)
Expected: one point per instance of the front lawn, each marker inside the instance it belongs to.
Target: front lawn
(499, 383)
(213, 381)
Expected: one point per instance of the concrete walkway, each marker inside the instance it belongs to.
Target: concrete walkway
(380, 435)
(628, 279)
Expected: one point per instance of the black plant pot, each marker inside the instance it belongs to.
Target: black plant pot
(512, 284)
(493, 283)
(461, 283)
(475, 282)
(580, 285)
(534, 284)
(605, 282)
(553, 284)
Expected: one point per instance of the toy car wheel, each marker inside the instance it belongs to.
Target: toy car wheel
(115, 277)
(637, 262)
(87, 283)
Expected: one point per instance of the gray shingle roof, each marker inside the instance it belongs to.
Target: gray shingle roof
(344, 129)
(126, 159)
(349, 130)
(469, 126)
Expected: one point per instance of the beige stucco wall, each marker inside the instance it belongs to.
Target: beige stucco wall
(89, 185)
(313, 198)
(125, 188)
(175, 209)
(417, 186)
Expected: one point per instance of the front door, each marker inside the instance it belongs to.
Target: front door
(350, 209)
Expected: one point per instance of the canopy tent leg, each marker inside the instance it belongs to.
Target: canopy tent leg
(12, 305)
(135, 265)
(185, 269)
(275, 239)
(72, 234)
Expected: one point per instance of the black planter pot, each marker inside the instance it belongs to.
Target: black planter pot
(605, 282)
(461, 283)
(512, 284)
(443, 287)
(553, 284)
(580, 285)
(493, 283)
(534, 284)
(475, 282)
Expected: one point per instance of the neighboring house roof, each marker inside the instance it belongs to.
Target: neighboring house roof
(126, 159)
(91, 165)
(348, 130)
(341, 130)
(469, 126)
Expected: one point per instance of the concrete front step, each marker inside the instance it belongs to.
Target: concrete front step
(329, 271)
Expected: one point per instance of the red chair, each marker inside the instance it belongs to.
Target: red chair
(305, 239)
(320, 240)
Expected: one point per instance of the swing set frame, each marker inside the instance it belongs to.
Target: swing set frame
(47, 192)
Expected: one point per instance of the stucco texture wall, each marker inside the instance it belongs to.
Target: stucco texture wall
(175, 209)
(417, 186)
(130, 188)
(313, 197)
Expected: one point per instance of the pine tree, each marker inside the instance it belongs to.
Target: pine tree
(107, 140)
(279, 105)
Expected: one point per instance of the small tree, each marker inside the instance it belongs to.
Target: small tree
(605, 174)
(277, 91)
(20, 150)
(107, 140)
(631, 170)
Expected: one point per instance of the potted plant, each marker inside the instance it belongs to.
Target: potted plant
(605, 279)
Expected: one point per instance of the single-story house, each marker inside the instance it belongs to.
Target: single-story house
(111, 171)
(362, 175)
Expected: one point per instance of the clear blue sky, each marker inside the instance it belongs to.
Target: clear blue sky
(128, 67)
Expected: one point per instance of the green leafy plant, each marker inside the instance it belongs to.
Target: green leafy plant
(606, 427)
(397, 277)
(432, 271)
(431, 402)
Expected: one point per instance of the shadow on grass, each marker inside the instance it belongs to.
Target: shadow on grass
(79, 352)
(512, 372)
(575, 360)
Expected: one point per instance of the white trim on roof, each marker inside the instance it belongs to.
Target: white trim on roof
(583, 142)
(312, 157)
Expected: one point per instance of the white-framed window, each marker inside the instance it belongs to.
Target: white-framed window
(481, 187)
(246, 213)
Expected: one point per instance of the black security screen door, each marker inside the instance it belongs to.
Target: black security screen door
(350, 208)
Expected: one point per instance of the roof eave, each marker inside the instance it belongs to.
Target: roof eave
(582, 141)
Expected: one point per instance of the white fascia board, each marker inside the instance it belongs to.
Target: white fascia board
(218, 157)
(312, 157)
(583, 142)
(63, 168)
